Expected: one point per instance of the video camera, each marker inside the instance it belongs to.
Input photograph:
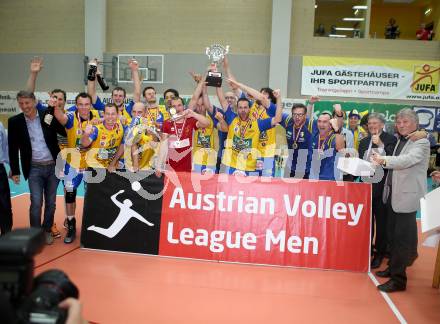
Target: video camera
(23, 298)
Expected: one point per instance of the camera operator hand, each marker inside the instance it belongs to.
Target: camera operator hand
(74, 309)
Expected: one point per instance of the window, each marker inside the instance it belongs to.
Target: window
(340, 18)
(404, 19)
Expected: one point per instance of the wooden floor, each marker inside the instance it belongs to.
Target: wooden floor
(127, 288)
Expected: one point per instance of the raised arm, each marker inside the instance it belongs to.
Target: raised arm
(35, 68)
(206, 101)
(91, 84)
(311, 105)
(134, 66)
(221, 98)
(58, 112)
(279, 112)
(115, 201)
(196, 95)
(227, 68)
(254, 93)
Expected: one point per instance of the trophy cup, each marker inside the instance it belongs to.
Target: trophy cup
(216, 54)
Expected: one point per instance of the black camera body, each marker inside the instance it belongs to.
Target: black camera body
(30, 300)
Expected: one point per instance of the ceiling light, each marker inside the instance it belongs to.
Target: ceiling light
(344, 28)
(428, 11)
(316, 6)
(360, 7)
(337, 36)
(353, 19)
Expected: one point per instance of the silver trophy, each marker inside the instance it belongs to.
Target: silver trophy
(216, 54)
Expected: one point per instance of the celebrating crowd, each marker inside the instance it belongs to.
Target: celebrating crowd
(145, 136)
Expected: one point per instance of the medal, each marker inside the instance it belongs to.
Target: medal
(152, 118)
(173, 111)
(322, 144)
(48, 119)
(297, 134)
(178, 133)
(243, 130)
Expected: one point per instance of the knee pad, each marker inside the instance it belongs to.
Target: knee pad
(70, 196)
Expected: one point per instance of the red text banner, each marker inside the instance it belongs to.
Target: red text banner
(288, 222)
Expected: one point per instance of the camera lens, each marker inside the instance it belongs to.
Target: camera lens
(56, 284)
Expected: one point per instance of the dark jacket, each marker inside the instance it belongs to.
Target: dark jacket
(20, 143)
(389, 142)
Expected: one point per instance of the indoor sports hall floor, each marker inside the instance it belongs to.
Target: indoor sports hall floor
(128, 288)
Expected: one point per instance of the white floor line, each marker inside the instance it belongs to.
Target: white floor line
(24, 193)
(388, 300)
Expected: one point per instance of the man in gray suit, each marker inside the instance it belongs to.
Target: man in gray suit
(404, 186)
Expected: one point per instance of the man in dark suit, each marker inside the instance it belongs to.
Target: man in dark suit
(380, 141)
(33, 137)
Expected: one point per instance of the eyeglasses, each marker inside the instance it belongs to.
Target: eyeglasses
(297, 115)
(229, 97)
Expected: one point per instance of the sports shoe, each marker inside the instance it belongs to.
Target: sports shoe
(49, 238)
(71, 231)
(55, 232)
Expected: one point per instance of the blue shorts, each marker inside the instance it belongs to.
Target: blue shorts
(72, 177)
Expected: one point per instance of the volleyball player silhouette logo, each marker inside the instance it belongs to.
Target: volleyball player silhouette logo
(125, 214)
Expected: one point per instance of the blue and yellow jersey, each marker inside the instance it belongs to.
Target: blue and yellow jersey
(74, 128)
(327, 158)
(146, 147)
(241, 148)
(298, 139)
(126, 120)
(204, 152)
(267, 140)
(105, 144)
(156, 116)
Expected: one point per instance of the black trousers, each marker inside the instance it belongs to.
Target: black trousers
(402, 237)
(379, 216)
(5, 202)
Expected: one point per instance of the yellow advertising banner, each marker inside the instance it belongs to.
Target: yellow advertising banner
(371, 78)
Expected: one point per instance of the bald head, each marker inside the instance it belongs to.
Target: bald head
(138, 109)
(231, 98)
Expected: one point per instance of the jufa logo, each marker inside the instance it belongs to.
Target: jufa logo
(426, 79)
